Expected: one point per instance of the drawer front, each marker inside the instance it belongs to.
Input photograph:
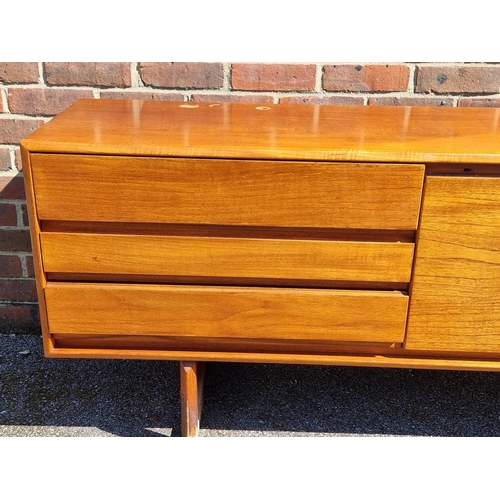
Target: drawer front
(130, 255)
(226, 312)
(227, 192)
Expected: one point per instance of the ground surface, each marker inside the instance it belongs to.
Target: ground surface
(54, 397)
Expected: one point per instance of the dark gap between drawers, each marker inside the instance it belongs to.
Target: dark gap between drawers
(200, 230)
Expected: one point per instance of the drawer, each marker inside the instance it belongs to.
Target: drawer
(227, 192)
(226, 312)
(149, 255)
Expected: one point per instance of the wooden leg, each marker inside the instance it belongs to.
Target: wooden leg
(192, 374)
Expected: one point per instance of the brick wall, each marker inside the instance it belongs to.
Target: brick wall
(31, 93)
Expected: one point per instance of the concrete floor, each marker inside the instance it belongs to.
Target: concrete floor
(67, 397)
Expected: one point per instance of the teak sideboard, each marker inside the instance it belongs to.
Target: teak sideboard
(355, 235)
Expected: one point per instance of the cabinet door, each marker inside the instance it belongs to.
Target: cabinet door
(455, 297)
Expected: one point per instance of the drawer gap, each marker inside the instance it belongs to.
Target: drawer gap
(221, 231)
(215, 281)
(161, 343)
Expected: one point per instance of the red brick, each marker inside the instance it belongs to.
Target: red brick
(19, 72)
(143, 96)
(250, 76)
(100, 74)
(18, 313)
(252, 98)
(323, 99)
(34, 101)
(24, 211)
(5, 163)
(481, 102)
(461, 79)
(10, 266)
(369, 78)
(19, 318)
(15, 240)
(8, 214)
(14, 130)
(12, 188)
(18, 290)
(19, 161)
(30, 265)
(410, 101)
(177, 75)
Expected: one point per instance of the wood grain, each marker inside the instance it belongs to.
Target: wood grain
(220, 231)
(192, 376)
(203, 174)
(279, 131)
(34, 223)
(227, 192)
(428, 361)
(226, 257)
(232, 312)
(455, 303)
(212, 344)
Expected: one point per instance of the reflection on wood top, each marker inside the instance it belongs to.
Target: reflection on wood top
(273, 131)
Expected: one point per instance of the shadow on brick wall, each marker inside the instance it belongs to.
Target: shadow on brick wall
(18, 300)
(12, 188)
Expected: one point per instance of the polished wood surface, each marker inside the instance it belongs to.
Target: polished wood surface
(274, 131)
(226, 257)
(227, 192)
(221, 231)
(142, 206)
(168, 343)
(40, 277)
(192, 374)
(232, 312)
(455, 303)
(414, 360)
(267, 233)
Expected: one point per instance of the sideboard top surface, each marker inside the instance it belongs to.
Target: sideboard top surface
(273, 131)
